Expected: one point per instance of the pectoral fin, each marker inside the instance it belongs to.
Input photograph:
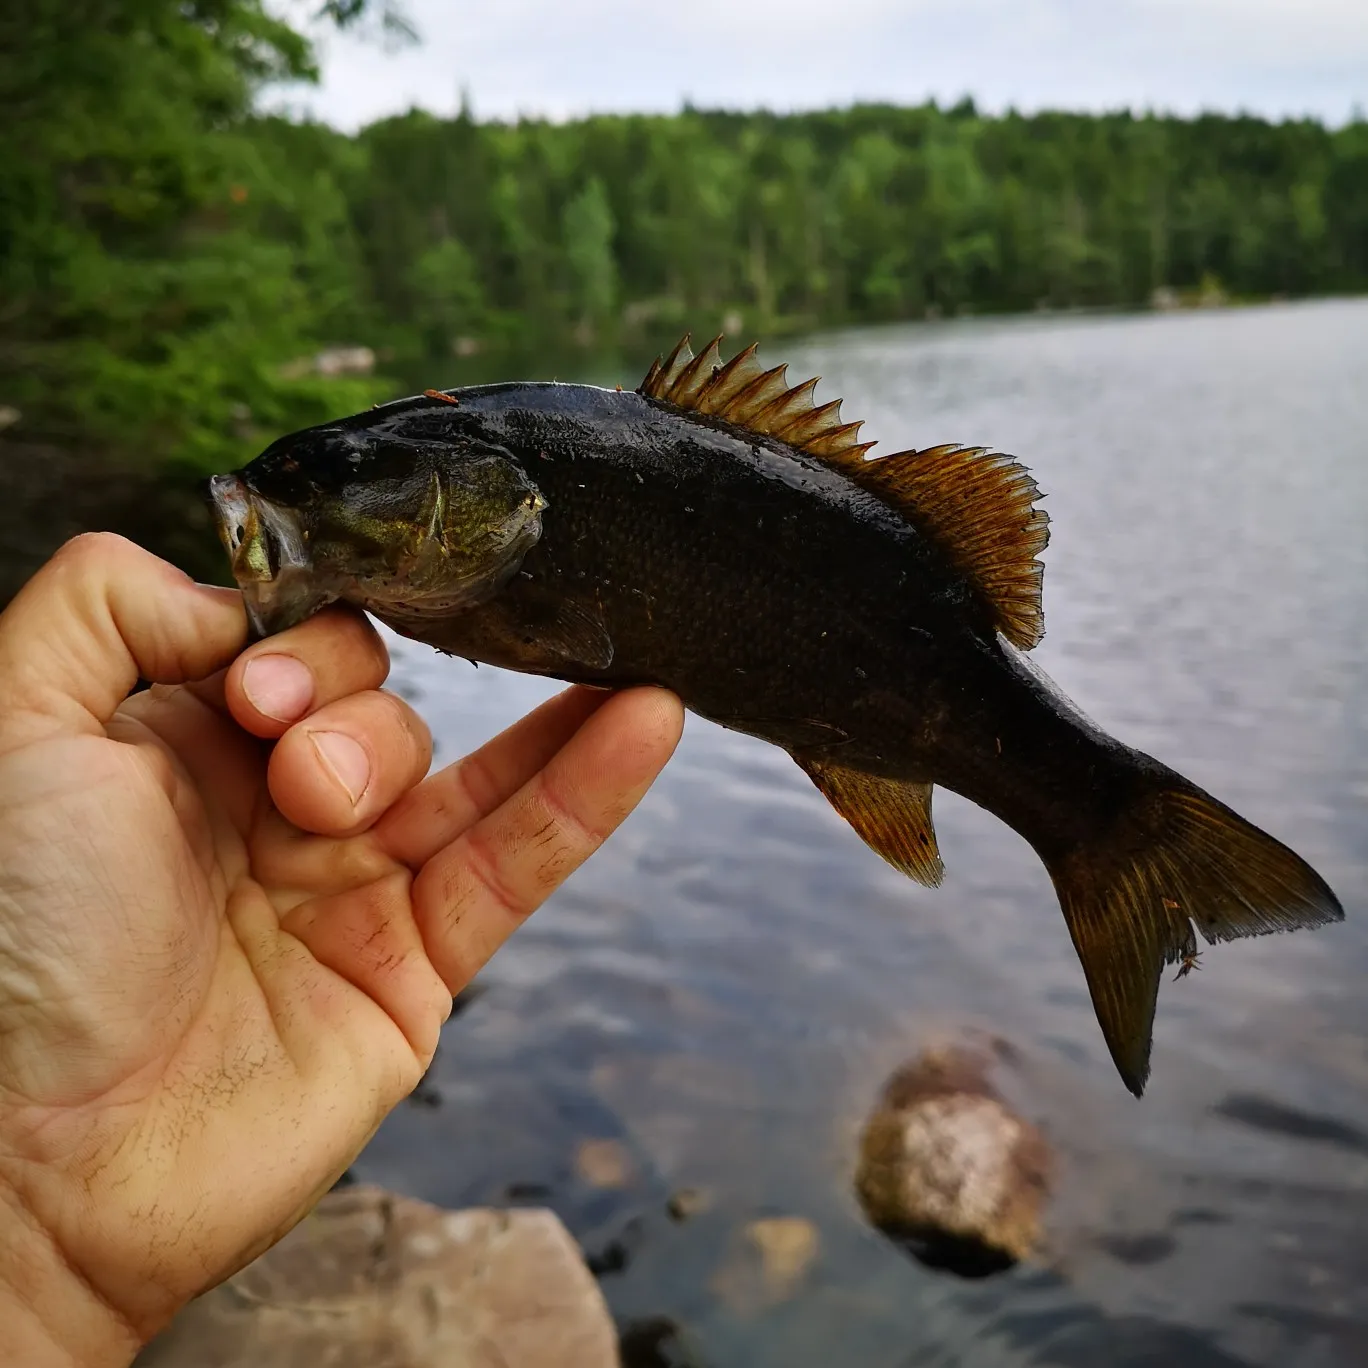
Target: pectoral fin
(532, 630)
(892, 816)
(546, 632)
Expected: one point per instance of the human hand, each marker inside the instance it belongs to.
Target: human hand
(233, 914)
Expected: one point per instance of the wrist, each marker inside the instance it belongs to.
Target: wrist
(51, 1317)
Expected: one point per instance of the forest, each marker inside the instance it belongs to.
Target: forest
(167, 255)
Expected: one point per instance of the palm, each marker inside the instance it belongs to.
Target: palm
(190, 924)
(225, 951)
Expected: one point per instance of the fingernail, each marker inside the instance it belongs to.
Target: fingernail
(347, 759)
(278, 686)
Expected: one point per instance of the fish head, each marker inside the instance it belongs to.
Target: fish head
(391, 524)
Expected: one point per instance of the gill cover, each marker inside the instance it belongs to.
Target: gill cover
(391, 525)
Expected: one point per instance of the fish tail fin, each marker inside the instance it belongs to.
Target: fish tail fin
(1173, 858)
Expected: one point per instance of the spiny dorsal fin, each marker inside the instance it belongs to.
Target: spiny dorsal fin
(980, 507)
(892, 816)
(743, 393)
(977, 505)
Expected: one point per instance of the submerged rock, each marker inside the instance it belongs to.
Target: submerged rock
(787, 1245)
(658, 1342)
(768, 1262)
(687, 1202)
(372, 1280)
(948, 1169)
(603, 1163)
(333, 361)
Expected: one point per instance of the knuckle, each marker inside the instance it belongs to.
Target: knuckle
(482, 860)
(90, 549)
(396, 709)
(95, 543)
(474, 779)
(561, 815)
(360, 864)
(365, 648)
(414, 729)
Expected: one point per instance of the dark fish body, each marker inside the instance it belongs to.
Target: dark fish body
(771, 594)
(854, 612)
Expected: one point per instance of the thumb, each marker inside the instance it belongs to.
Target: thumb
(101, 614)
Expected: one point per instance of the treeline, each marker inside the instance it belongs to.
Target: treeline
(164, 254)
(864, 214)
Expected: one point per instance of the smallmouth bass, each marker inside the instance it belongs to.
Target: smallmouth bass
(720, 534)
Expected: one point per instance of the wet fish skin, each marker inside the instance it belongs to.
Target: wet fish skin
(768, 592)
(449, 524)
(780, 598)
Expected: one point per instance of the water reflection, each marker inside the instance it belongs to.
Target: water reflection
(723, 990)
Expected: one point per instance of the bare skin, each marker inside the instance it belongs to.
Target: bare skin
(233, 914)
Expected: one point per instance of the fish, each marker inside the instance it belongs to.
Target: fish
(720, 533)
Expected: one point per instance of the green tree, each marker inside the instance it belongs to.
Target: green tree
(588, 236)
(164, 252)
(143, 308)
(452, 305)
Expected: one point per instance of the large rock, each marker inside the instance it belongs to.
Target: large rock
(949, 1169)
(371, 1280)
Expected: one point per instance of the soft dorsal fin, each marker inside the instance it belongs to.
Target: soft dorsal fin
(977, 506)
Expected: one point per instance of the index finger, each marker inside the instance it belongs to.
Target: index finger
(276, 682)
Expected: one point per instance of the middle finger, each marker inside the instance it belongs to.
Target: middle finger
(469, 897)
(336, 772)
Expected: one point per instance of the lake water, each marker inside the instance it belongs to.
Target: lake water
(724, 989)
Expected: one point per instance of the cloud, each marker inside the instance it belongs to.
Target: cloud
(560, 59)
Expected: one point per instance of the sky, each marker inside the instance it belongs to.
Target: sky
(560, 60)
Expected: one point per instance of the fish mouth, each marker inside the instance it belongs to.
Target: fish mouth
(268, 550)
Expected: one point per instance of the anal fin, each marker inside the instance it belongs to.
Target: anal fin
(891, 816)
